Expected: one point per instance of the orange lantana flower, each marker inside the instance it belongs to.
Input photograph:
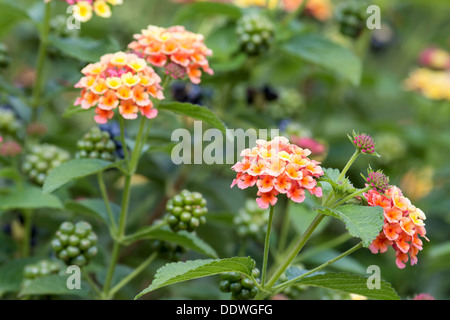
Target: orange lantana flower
(403, 225)
(178, 51)
(121, 81)
(278, 167)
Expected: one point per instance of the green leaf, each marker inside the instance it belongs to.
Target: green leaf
(328, 180)
(192, 11)
(74, 169)
(10, 173)
(351, 283)
(361, 221)
(325, 53)
(52, 285)
(183, 271)
(94, 208)
(182, 238)
(85, 49)
(28, 197)
(10, 13)
(194, 111)
(11, 274)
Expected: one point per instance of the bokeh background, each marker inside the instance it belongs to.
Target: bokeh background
(308, 102)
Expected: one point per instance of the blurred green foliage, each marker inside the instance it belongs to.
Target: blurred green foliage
(346, 84)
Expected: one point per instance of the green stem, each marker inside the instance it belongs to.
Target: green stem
(91, 282)
(350, 196)
(286, 284)
(285, 227)
(141, 234)
(132, 275)
(38, 85)
(266, 246)
(297, 248)
(138, 146)
(112, 266)
(348, 165)
(132, 164)
(104, 194)
(122, 138)
(27, 219)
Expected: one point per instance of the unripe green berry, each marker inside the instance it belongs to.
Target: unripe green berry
(40, 269)
(186, 211)
(255, 33)
(240, 286)
(168, 250)
(80, 260)
(75, 243)
(96, 144)
(41, 159)
(74, 240)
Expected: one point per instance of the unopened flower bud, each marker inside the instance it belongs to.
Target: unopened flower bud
(363, 142)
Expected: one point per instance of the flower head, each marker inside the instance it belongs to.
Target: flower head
(83, 10)
(120, 81)
(319, 9)
(278, 167)
(432, 84)
(435, 58)
(163, 47)
(363, 142)
(377, 180)
(423, 296)
(403, 225)
(10, 148)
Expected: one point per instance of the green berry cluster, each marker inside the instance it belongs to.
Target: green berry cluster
(351, 17)
(251, 221)
(240, 286)
(186, 211)
(40, 269)
(75, 244)
(96, 144)
(255, 33)
(9, 124)
(289, 103)
(41, 159)
(168, 250)
(4, 56)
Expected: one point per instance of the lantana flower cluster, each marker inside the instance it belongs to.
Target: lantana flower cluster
(319, 9)
(120, 81)
(278, 167)
(432, 77)
(173, 48)
(403, 225)
(83, 9)
(432, 84)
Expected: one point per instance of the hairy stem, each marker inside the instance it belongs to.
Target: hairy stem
(348, 165)
(132, 275)
(286, 284)
(293, 253)
(39, 82)
(266, 246)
